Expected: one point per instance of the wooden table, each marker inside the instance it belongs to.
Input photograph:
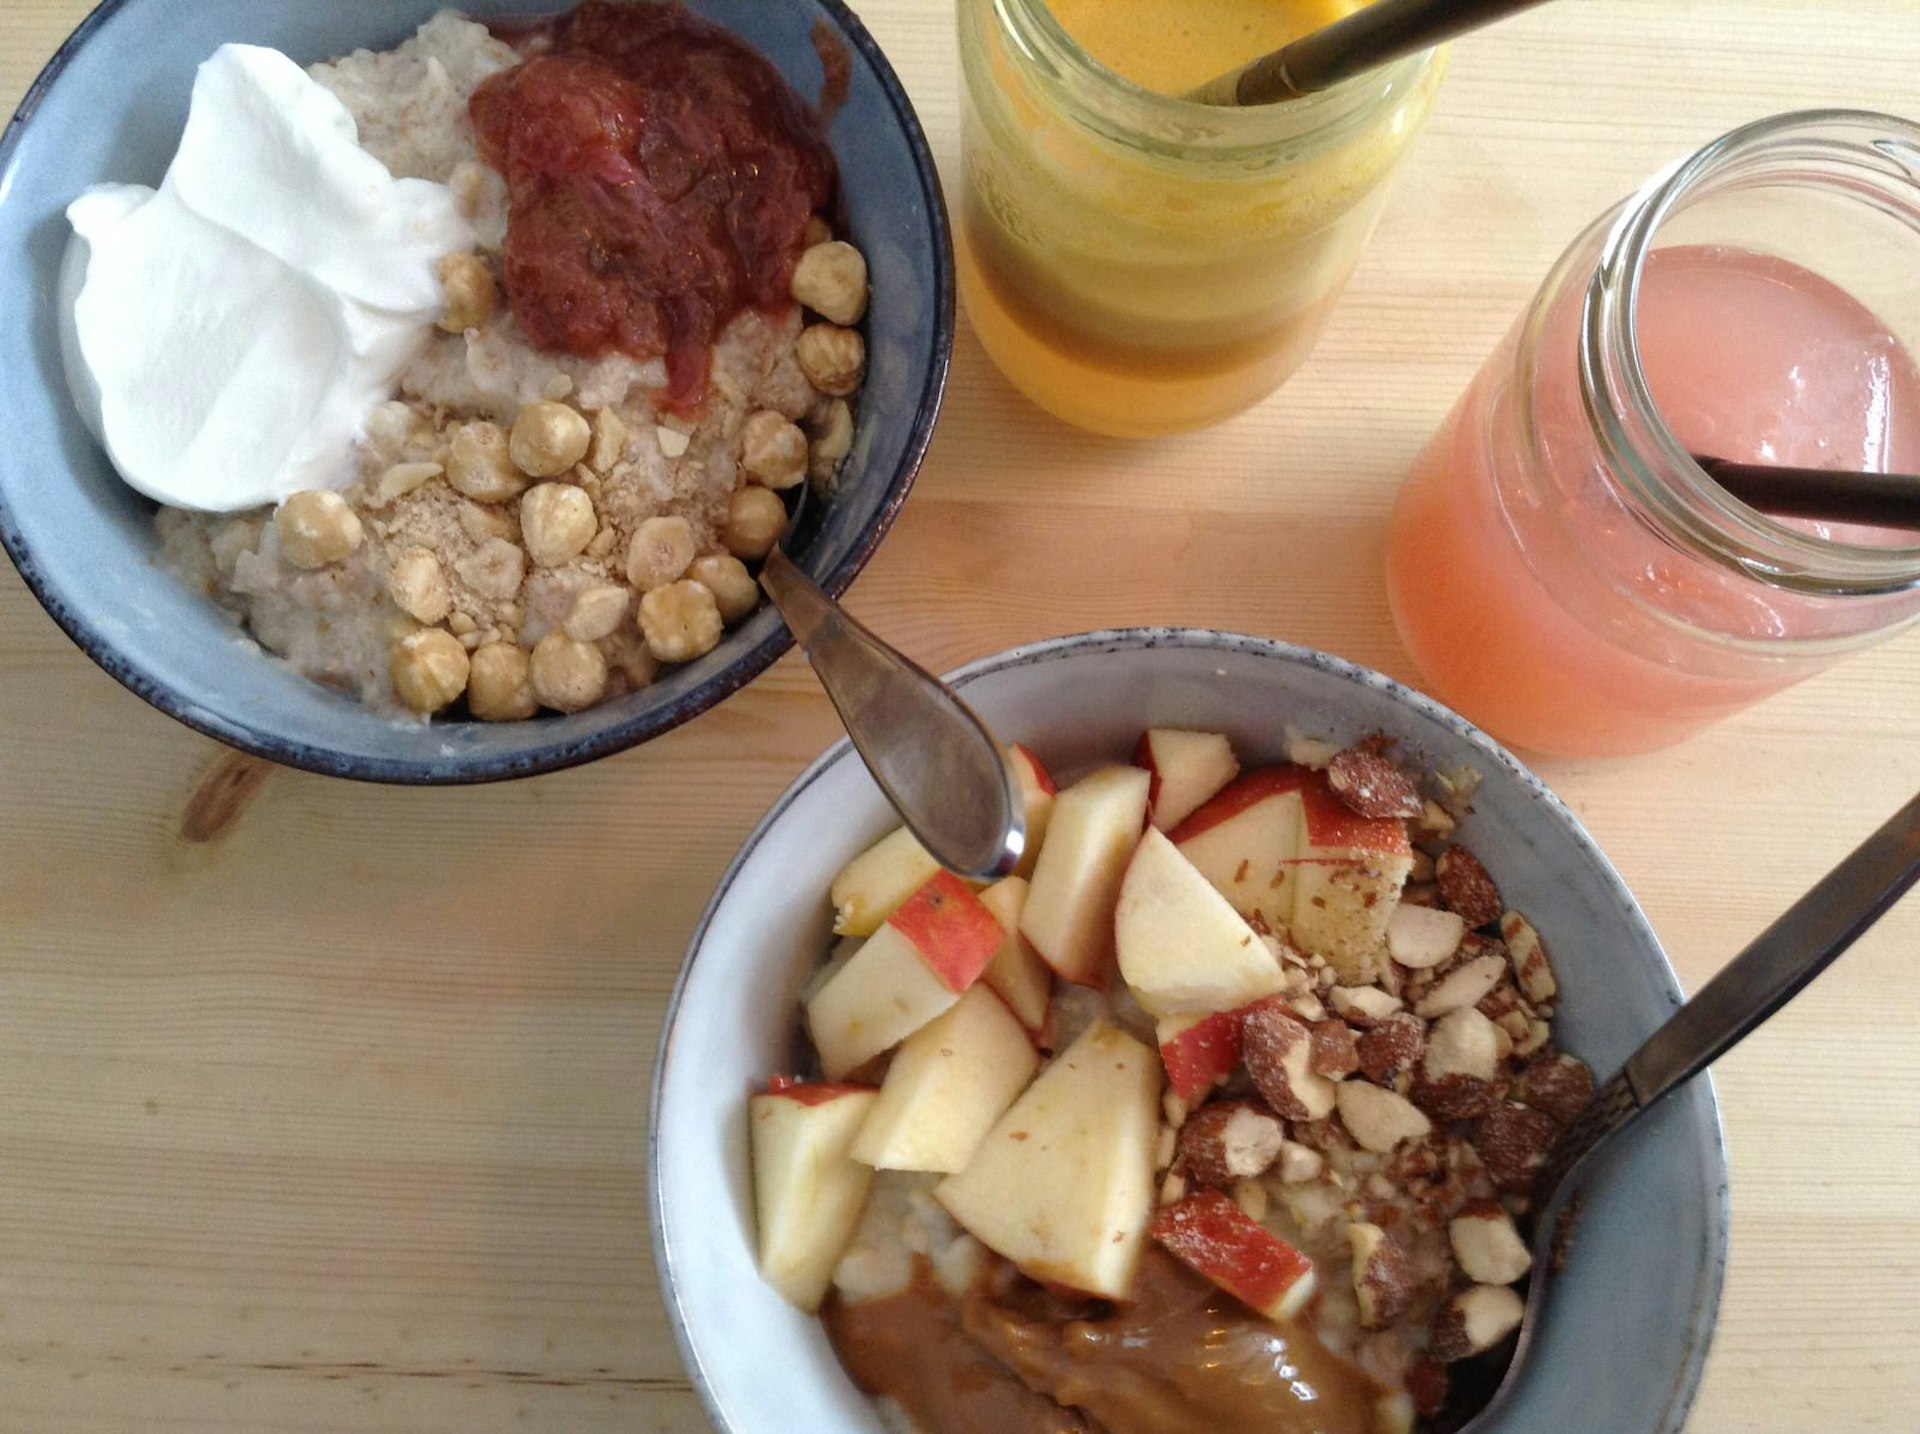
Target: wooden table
(329, 1115)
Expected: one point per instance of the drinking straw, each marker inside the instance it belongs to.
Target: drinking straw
(1878, 500)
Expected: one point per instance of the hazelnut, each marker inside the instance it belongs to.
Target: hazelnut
(732, 586)
(316, 529)
(479, 465)
(832, 440)
(418, 586)
(597, 613)
(495, 569)
(499, 688)
(556, 522)
(429, 668)
(401, 479)
(680, 621)
(472, 295)
(659, 552)
(834, 359)
(755, 520)
(831, 279)
(609, 440)
(549, 438)
(774, 450)
(567, 674)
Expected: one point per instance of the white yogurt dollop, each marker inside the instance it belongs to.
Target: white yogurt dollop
(230, 333)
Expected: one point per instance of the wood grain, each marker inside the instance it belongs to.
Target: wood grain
(336, 1122)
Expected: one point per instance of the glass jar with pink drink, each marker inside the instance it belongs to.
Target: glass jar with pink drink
(1561, 568)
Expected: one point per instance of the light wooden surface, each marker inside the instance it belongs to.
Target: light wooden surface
(336, 1122)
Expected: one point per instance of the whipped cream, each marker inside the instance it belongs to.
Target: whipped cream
(229, 334)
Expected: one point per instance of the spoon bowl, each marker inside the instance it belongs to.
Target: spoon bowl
(945, 773)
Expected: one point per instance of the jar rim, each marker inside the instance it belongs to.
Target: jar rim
(1670, 487)
(1129, 114)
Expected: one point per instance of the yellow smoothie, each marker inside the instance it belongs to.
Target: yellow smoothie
(1173, 46)
(1138, 265)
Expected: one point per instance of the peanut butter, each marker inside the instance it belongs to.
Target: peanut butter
(1179, 1358)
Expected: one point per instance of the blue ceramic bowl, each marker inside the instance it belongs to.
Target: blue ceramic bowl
(1625, 1332)
(111, 105)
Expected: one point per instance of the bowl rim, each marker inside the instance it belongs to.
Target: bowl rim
(618, 736)
(1719, 1217)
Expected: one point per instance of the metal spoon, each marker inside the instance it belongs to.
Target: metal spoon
(1779, 963)
(1365, 40)
(943, 770)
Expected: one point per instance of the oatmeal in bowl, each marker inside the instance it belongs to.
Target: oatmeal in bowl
(515, 341)
(1222, 1120)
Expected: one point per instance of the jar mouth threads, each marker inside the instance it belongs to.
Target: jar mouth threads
(1242, 140)
(1869, 162)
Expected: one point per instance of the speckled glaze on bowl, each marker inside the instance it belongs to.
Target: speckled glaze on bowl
(110, 106)
(1626, 1332)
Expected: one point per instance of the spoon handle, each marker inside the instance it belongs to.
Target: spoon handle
(1803, 942)
(1376, 35)
(1806, 939)
(932, 756)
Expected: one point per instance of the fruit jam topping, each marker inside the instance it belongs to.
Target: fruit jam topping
(661, 176)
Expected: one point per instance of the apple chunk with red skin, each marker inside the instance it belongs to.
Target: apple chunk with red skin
(1187, 768)
(1024, 981)
(1076, 883)
(908, 972)
(871, 887)
(1246, 842)
(1347, 884)
(1037, 791)
(1183, 949)
(1199, 1052)
(947, 1084)
(1063, 1183)
(808, 1189)
(1212, 1235)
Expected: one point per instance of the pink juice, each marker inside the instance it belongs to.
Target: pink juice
(1539, 603)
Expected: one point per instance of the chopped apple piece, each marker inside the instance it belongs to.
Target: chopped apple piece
(1215, 1237)
(948, 1083)
(1246, 841)
(1024, 981)
(871, 887)
(1063, 1183)
(1199, 1052)
(1350, 873)
(1187, 768)
(807, 1189)
(909, 971)
(1037, 791)
(1183, 949)
(1076, 883)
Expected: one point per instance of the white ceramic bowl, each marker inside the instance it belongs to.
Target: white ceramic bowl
(1624, 1338)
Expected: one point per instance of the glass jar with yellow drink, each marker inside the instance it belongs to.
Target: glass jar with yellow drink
(1138, 264)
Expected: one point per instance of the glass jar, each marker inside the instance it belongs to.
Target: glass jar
(1141, 265)
(1560, 568)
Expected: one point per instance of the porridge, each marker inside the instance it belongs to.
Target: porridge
(645, 334)
(1224, 1117)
